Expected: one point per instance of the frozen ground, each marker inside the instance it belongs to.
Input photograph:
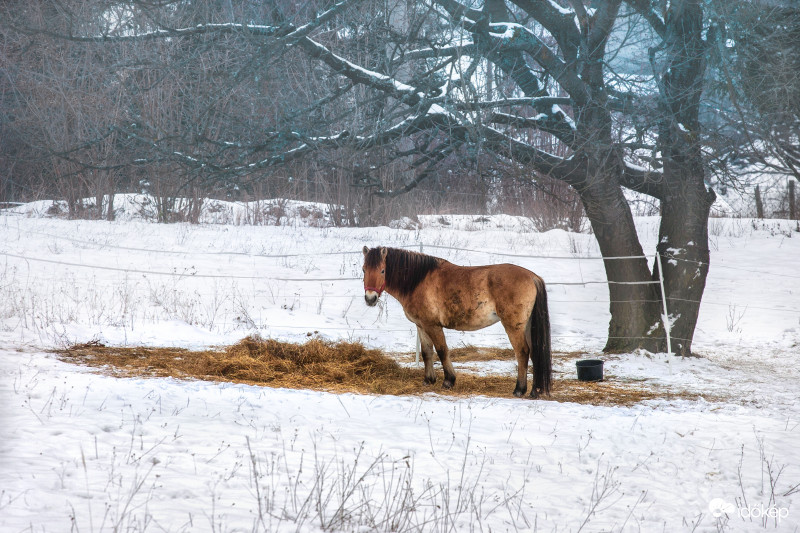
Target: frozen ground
(86, 452)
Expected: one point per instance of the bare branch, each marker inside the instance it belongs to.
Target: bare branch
(468, 49)
(524, 153)
(205, 29)
(559, 21)
(514, 102)
(644, 8)
(432, 159)
(376, 80)
(541, 121)
(508, 36)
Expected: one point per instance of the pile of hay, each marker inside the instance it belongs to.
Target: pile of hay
(328, 366)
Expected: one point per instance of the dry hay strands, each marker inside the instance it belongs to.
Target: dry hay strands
(317, 364)
(470, 353)
(324, 365)
(481, 353)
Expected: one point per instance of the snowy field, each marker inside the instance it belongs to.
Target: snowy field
(82, 451)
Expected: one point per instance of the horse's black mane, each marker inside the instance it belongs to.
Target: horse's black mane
(404, 269)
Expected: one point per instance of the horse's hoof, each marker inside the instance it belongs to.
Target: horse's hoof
(519, 391)
(429, 381)
(535, 394)
(448, 384)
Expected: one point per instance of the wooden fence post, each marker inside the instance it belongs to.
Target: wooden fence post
(759, 203)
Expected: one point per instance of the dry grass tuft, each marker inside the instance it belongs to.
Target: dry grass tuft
(328, 366)
(481, 353)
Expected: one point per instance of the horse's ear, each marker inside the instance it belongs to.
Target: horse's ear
(365, 250)
(384, 251)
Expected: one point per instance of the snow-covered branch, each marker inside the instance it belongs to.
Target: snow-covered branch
(558, 21)
(514, 102)
(504, 43)
(287, 32)
(200, 29)
(308, 145)
(405, 93)
(542, 122)
(543, 162)
(435, 117)
(511, 36)
(643, 180)
(467, 49)
(319, 20)
(538, 121)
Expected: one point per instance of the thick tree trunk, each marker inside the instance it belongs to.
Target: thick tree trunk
(686, 201)
(683, 246)
(633, 300)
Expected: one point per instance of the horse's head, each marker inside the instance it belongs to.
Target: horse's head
(374, 274)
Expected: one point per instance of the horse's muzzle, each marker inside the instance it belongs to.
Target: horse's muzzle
(371, 297)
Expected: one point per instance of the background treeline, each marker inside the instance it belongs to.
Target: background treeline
(206, 117)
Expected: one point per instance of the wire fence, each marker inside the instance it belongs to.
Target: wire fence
(194, 274)
(198, 275)
(183, 274)
(181, 252)
(496, 253)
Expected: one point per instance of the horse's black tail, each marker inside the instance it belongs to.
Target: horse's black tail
(537, 334)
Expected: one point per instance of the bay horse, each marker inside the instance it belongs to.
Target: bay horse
(437, 294)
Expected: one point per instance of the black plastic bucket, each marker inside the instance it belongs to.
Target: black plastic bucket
(590, 370)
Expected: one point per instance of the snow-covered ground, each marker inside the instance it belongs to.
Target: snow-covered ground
(87, 452)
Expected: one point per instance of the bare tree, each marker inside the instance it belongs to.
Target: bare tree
(601, 96)
(570, 69)
(755, 85)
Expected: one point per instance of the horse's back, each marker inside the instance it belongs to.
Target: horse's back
(495, 280)
(506, 274)
(470, 298)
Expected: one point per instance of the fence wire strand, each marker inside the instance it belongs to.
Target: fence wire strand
(196, 275)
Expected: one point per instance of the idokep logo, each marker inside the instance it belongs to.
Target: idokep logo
(719, 507)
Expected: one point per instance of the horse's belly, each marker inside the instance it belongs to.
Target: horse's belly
(471, 320)
(474, 325)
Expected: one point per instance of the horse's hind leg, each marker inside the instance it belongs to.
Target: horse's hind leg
(426, 347)
(436, 335)
(516, 334)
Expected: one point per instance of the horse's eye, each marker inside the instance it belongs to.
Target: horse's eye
(363, 270)
(383, 271)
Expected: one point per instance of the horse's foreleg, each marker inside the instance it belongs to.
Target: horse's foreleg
(437, 337)
(426, 347)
